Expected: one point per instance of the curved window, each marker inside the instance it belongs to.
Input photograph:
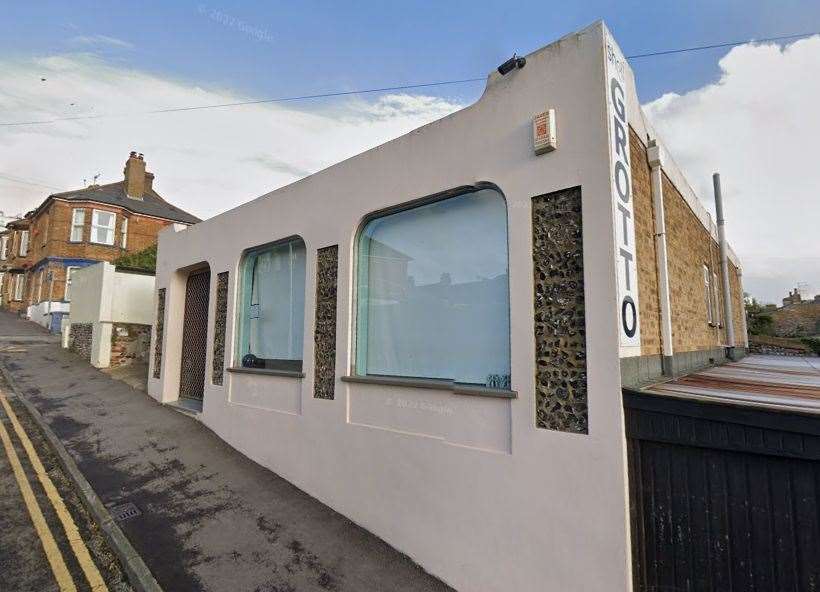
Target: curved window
(272, 309)
(433, 292)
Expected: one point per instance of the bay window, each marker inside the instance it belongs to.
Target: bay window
(77, 224)
(272, 307)
(69, 271)
(19, 284)
(432, 292)
(124, 233)
(23, 243)
(102, 227)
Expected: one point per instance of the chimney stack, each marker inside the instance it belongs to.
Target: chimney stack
(135, 176)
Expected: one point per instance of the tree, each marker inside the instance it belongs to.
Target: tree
(760, 322)
(145, 260)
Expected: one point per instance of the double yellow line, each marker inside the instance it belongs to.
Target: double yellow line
(53, 554)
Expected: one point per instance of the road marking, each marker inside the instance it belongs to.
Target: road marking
(55, 558)
(92, 574)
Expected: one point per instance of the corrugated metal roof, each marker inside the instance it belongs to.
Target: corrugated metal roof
(778, 382)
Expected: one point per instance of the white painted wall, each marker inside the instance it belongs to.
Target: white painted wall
(103, 296)
(40, 313)
(466, 486)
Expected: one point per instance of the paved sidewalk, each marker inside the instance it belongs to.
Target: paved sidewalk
(211, 519)
(16, 329)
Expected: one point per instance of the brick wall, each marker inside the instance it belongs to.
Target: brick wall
(142, 232)
(689, 247)
(644, 212)
(79, 340)
(130, 343)
(797, 320)
(50, 232)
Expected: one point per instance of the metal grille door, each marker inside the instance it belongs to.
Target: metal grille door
(194, 335)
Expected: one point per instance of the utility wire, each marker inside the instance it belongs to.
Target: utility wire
(718, 45)
(14, 179)
(383, 89)
(256, 102)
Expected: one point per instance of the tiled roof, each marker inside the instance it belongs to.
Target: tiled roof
(114, 194)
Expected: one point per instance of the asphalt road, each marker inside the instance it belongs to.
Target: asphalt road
(210, 518)
(44, 556)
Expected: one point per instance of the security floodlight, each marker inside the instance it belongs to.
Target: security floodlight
(511, 64)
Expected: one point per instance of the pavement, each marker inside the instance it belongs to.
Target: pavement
(209, 518)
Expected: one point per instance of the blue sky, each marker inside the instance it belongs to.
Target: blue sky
(722, 109)
(268, 49)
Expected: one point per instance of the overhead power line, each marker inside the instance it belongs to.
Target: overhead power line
(718, 45)
(382, 89)
(15, 179)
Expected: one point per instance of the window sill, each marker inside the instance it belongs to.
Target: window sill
(456, 388)
(267, 372)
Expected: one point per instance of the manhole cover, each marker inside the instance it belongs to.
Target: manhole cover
(124, 512)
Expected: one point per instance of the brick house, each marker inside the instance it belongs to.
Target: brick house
(75, 229)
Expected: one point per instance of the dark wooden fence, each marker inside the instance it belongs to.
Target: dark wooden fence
(722, 498)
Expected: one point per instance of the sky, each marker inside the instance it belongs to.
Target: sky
(722, 109)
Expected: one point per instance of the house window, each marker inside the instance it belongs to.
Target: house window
(707, 287)
(69, 271)
(41, 281)
(102, 227)
(24, 243)
(77, 224)
(4, 248)
(433, 292)
(273, 307)
(716, 300)
(124, 233)
(19, 284)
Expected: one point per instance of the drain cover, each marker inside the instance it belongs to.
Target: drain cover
(124, 512)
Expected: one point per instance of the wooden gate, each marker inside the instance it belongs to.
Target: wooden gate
(195, 335)
(723, 498)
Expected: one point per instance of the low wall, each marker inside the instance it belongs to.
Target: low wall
(129, 343)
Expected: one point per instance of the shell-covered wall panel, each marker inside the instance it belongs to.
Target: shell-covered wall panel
(560, 332)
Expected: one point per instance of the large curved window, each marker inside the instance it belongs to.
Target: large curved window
(433, 292)
(272, 310)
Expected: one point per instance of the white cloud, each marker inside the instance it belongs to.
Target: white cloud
(759, 127)
(100, 40)
(205, 161)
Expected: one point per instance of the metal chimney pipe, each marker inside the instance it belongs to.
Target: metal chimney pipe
(724, 267)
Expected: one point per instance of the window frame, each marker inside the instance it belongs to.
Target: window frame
(77, 226)
(707, 287)
(95, 225)
(284, 367)
(40, 283)
(24, 240)
(4, 248)
(67, 287)
(716, 294)
(124, 233)
(19, 287)
(354, 372)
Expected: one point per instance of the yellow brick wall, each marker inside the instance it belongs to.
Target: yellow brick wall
(689, 247)
(643, 211)
(738, 305)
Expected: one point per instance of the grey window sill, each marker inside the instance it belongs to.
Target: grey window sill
(457, 388)
(267, 372)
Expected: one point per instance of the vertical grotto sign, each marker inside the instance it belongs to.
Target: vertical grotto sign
(621, 188)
